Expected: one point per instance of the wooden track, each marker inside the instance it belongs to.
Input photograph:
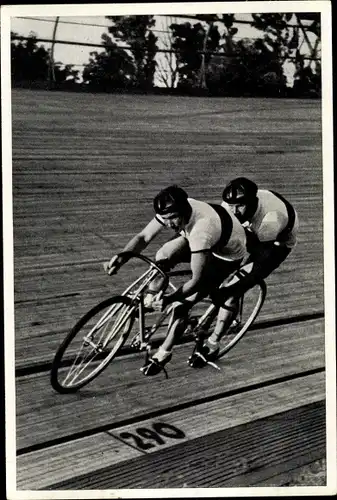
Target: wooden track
(270, 371)
(85, 170)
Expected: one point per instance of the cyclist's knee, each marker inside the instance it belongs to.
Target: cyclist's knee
(220, 299)
(162, 260)
(181, 311)
(267, 262)
(216, 297)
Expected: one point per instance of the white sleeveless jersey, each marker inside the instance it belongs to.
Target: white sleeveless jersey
(270, 218)
(222, 234)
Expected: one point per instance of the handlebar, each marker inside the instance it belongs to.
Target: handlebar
(130, 255)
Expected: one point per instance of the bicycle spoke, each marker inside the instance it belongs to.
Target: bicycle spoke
(249, 308)
(105, 316)
(76, 370)
(93, 343)
(98, 336)
(127, 313)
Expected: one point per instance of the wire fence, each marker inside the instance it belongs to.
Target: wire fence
(126, 47)
(237, 21)
(164, 48)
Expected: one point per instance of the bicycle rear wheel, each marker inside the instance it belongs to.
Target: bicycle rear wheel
(250, 306)
(92, 343)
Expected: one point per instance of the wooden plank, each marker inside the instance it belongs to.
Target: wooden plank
(81, 190)
(39, 469)
(42, 313)
(48, 320)
(121, 392)
(221, 459)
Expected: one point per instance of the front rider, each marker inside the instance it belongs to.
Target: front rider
(271, 224)
(209, 237)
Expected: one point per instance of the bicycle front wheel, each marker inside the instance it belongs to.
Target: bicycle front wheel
(250, 306)
(92, 343)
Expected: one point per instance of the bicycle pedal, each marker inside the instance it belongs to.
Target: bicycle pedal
(200, 333)
(197, 360)
(235, 327)
(214, 365)
(191, 323)
(135, 342)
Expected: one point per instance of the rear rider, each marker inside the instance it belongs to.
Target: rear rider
(207, 236)
(271, 223)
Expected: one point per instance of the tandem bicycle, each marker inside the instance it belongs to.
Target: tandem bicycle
(102, 333)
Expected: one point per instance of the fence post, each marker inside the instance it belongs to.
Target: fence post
(51, 73)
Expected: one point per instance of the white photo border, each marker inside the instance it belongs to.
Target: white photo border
(324, 7)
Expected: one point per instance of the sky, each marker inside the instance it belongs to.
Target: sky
(86, 29)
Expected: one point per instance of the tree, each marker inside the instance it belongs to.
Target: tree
(167, 68)
(229, 31)
(279, 39)
(193, 44)
(250, 69)
(65, 74)
(307, 83)
(136, 32)
(30, 62)
(285, 42)
(227, 66)
(278, 35)
(111, 69)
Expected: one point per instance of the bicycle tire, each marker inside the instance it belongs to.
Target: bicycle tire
(63, 365)
(230, 339)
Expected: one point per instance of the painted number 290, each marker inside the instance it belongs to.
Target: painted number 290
(145, 438)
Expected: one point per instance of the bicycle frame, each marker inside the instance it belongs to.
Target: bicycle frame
(106, 338)
(135, 292)
(136, 296)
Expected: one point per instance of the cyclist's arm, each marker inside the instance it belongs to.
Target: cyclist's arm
(137, 244)
(198, 266)
(271, 225)
(141, 240)
(264, 254)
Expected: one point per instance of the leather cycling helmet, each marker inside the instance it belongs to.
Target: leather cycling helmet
(240, 191)
(172, 199)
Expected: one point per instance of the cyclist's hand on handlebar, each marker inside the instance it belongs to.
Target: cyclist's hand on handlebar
(162, 301)
(113, 265)
(158, 302)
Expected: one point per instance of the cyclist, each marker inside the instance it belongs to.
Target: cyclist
(208, 236)
(271, 224)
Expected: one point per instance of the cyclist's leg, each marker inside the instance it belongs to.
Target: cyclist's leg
(226, 315)
(258, 267)
(169, 255)
(175, 329)
(271, 260)
(261, 264)
(177, 325)
(164, 353)
(227, 310)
